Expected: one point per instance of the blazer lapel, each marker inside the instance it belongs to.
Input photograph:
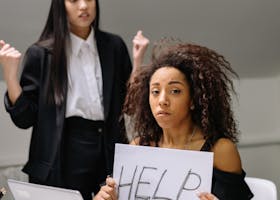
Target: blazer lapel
(106, 56)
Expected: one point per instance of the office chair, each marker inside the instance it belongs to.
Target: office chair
(262, 189)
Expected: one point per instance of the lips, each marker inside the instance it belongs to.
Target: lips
(84, 15)
(162, 113)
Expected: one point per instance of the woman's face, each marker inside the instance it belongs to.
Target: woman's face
(81, 14)
(170, 98)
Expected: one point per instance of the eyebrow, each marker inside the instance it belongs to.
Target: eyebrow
(169, 83)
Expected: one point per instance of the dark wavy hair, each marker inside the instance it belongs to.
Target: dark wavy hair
(210, 78)
(54, 37)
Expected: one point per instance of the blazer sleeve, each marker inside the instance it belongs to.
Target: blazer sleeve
(124, 72)
(125, 61)
(229, 186)
(24, 112)
(123, 64)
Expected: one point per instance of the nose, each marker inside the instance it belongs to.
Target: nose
(163, 99)
(83, 4)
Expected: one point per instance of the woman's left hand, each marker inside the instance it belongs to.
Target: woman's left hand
(140, 44)
(207, 196)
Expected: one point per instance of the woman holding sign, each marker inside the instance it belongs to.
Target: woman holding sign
(182, 101)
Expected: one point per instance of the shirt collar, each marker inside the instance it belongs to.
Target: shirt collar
(77, 42)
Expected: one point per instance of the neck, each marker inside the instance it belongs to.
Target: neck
(82, 33)
(177, 138)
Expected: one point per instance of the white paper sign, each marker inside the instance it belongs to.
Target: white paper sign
(159, 173)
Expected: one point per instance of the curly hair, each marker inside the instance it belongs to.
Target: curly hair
(208, 74)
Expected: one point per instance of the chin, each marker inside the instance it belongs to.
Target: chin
(164, 124)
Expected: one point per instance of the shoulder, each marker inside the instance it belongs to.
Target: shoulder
(34, 60)
(34, 55)
(226, 156)
(36, 50)
(110, 37)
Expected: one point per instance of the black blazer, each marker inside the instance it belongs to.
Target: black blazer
(31, 109)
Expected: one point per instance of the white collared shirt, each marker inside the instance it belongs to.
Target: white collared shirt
(84, 96)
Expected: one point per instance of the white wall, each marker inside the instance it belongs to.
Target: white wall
(258, 111)
(14, 142)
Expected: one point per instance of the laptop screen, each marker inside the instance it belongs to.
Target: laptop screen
(31, 191)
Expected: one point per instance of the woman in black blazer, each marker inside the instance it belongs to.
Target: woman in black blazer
(71, 93)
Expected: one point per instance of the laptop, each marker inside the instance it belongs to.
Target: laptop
(30, 191)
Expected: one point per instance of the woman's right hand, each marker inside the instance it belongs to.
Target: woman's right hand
(9, 59)
(108, 191)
